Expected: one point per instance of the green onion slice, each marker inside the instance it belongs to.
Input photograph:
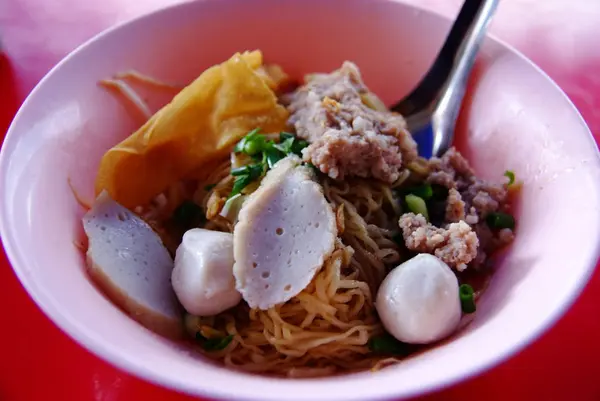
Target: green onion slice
(273, 155)
(285, 146)
(188, 214)
(264, 153)
(298, 145)
(416, 205)
(239, 147)
(239, 171)
(240, 183)
(424, 191)
(511, 177)
(467, 301)
(312, 166)
(285, 135)
(255, 145)
(252, 143)
(499, 220)
(387, 344)
(253, 170)
(213, 344)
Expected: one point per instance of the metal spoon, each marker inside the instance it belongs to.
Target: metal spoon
(431, 109)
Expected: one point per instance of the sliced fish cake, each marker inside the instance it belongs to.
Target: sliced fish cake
(129, 262)
(286, 230)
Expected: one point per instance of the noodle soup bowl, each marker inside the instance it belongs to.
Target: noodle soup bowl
(514, 117)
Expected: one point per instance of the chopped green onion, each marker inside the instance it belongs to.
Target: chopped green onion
(256, 170)
(253, 170)
(253, 133)
(416, 205)
(298, 145)
(209, 187)
(255, 145)
(285, 135)
(288, 143)
(217, 344)
(272, 156)
(285, 146)
(315, 168)
(467, 302)
(188, 214)
(251, 144)
(239, 171)
(240, 182)
(424, 191)
(386, 344)
(239, 147)
(511, 177)
(213, 344)
(499, 220)
(264, 153)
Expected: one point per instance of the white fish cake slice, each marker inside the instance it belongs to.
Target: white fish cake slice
(129, 262)
(286, 230)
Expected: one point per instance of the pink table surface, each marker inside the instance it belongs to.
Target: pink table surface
(39, 362)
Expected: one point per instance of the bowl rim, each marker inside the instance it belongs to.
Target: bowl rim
(133, 366)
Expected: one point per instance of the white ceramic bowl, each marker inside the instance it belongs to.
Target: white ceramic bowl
(514, 118)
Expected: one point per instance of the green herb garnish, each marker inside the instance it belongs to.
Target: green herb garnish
(213, 344)
(264, 153)
(252, 143)
(188, 214)
(244, 176)
(416, 205)
(272, 156)
(252, 170)
(424, 191)
(386, 344)
(467, 300)
(298, 145)
(289, 144)
(315, 168)
(286, 145)
(255, 146)
(240, 182)
(239, 171)
(285, 135)
(499, 220)
(511, 177)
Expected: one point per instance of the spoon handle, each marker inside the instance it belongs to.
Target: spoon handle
(455, 60)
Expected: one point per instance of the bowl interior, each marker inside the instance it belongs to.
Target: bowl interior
(514, 118)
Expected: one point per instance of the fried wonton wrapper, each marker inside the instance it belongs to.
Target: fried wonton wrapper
(201, 124)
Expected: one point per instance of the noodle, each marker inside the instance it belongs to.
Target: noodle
(130, 95)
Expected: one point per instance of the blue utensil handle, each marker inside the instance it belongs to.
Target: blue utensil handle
(437, 98)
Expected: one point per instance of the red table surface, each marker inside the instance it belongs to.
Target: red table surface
(39, 362)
